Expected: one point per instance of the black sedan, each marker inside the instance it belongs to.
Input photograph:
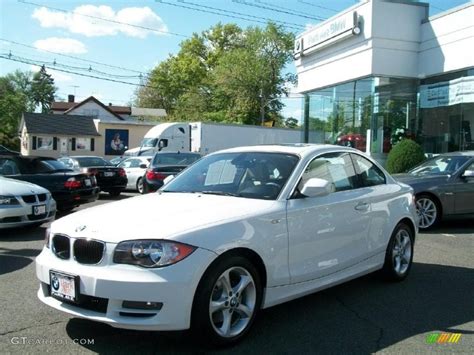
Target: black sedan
(110, 178)
(70, 189)
(165, 164)
(444, 186)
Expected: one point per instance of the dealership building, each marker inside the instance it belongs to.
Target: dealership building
(381, 70)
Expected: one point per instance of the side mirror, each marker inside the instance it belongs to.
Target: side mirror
(168, 179)
(143, 166)
(316, 187)
(468, 174)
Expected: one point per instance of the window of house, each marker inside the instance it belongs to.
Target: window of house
(83, 144)
(44, 143)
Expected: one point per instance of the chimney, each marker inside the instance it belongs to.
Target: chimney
(70, 98)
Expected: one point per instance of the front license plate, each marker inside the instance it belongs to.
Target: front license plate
(88, 182)
(64, 286)
(109, 173)
(38, 210)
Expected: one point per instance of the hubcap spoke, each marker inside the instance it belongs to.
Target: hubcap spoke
(226, 323)
(217, 306)
(225, 282)
(244, 311)
(242, 285)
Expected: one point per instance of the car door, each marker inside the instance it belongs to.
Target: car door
(464, 192)
(373, 185)
(327, 233)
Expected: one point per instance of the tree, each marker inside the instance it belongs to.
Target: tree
(225, 74)
(22, 92)
(42, 90)
(291, 122)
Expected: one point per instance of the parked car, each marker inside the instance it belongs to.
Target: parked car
(69, 189)
(444, 186)
(24, 204)
(239, 230)
(110, 178)
(117, 160)
(135, 168)
(165, 164)
(5, 151)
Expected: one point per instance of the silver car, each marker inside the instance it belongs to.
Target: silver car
(135, 168)
(23, 204)
(444, 186)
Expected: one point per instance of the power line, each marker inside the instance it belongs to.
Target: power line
(73, 57)
(243, 2)
(298, 13)
(104, 19)
(318, 6)
(240, 13)
(222, 13)
(48, 66)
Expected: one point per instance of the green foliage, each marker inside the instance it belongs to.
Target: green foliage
(404, 156)
(42, 90)
(225, 74)
(22, 92)
(291, 122)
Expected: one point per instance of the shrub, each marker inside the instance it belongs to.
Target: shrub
(404, 156)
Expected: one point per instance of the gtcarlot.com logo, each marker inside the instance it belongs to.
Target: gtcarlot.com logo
(443, 338)
(48, 341)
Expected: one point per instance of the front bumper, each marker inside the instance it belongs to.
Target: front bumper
(112, 284)
(22, 214)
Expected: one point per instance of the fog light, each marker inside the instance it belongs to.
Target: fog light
(156, 306)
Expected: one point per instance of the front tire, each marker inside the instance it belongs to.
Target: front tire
(227, 301)
(428, 212)
(399, 254)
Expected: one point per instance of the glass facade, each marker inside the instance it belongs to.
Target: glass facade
(372, 114)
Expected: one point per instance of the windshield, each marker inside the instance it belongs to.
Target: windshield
(250, 175)
(92, 161)
(149, 142)
(175, 158)
(439, 165)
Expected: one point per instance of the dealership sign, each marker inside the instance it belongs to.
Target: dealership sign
(447, 93)
(333, 31)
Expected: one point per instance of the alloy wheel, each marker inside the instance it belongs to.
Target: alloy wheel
(233, 302)
(401, 252)
(427, 212)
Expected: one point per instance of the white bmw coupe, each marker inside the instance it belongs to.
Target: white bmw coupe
(240, 230)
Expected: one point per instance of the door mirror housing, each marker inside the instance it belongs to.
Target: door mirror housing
(316, 187)
(468, 174)
(168, 179)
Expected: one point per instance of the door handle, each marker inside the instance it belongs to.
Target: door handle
(362, 206)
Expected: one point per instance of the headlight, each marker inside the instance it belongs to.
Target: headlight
(151, 253)
(8, 201)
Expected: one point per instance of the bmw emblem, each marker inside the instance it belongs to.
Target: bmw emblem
(55, 283)
(80, 228)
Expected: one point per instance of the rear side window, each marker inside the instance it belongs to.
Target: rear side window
(368, 173)
(336, 168)
(8, 167)
(92, 161)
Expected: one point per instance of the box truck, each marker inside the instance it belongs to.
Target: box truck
(205, 138)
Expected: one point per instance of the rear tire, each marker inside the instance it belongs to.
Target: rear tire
(140, 186)
(399, 254)
(226, 301)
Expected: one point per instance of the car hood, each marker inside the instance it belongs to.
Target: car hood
(157, 216)
(12, 187)
(420, 179)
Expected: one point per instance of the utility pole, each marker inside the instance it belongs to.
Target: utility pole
(262, 108)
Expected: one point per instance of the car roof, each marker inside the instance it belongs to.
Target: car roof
(26, 157)
(301, 149)
(467, 153)
(81, 156)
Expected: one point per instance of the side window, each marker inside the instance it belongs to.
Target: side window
(336, 168)
(368, 173)
(135, 163)
(8, 167)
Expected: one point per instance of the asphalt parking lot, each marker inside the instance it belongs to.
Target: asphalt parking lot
(366, 315)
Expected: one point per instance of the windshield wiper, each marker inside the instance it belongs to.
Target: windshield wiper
(220, 193)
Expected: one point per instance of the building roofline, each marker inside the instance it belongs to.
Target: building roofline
(93, 99)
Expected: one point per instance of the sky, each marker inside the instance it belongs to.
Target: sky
(123, 40)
